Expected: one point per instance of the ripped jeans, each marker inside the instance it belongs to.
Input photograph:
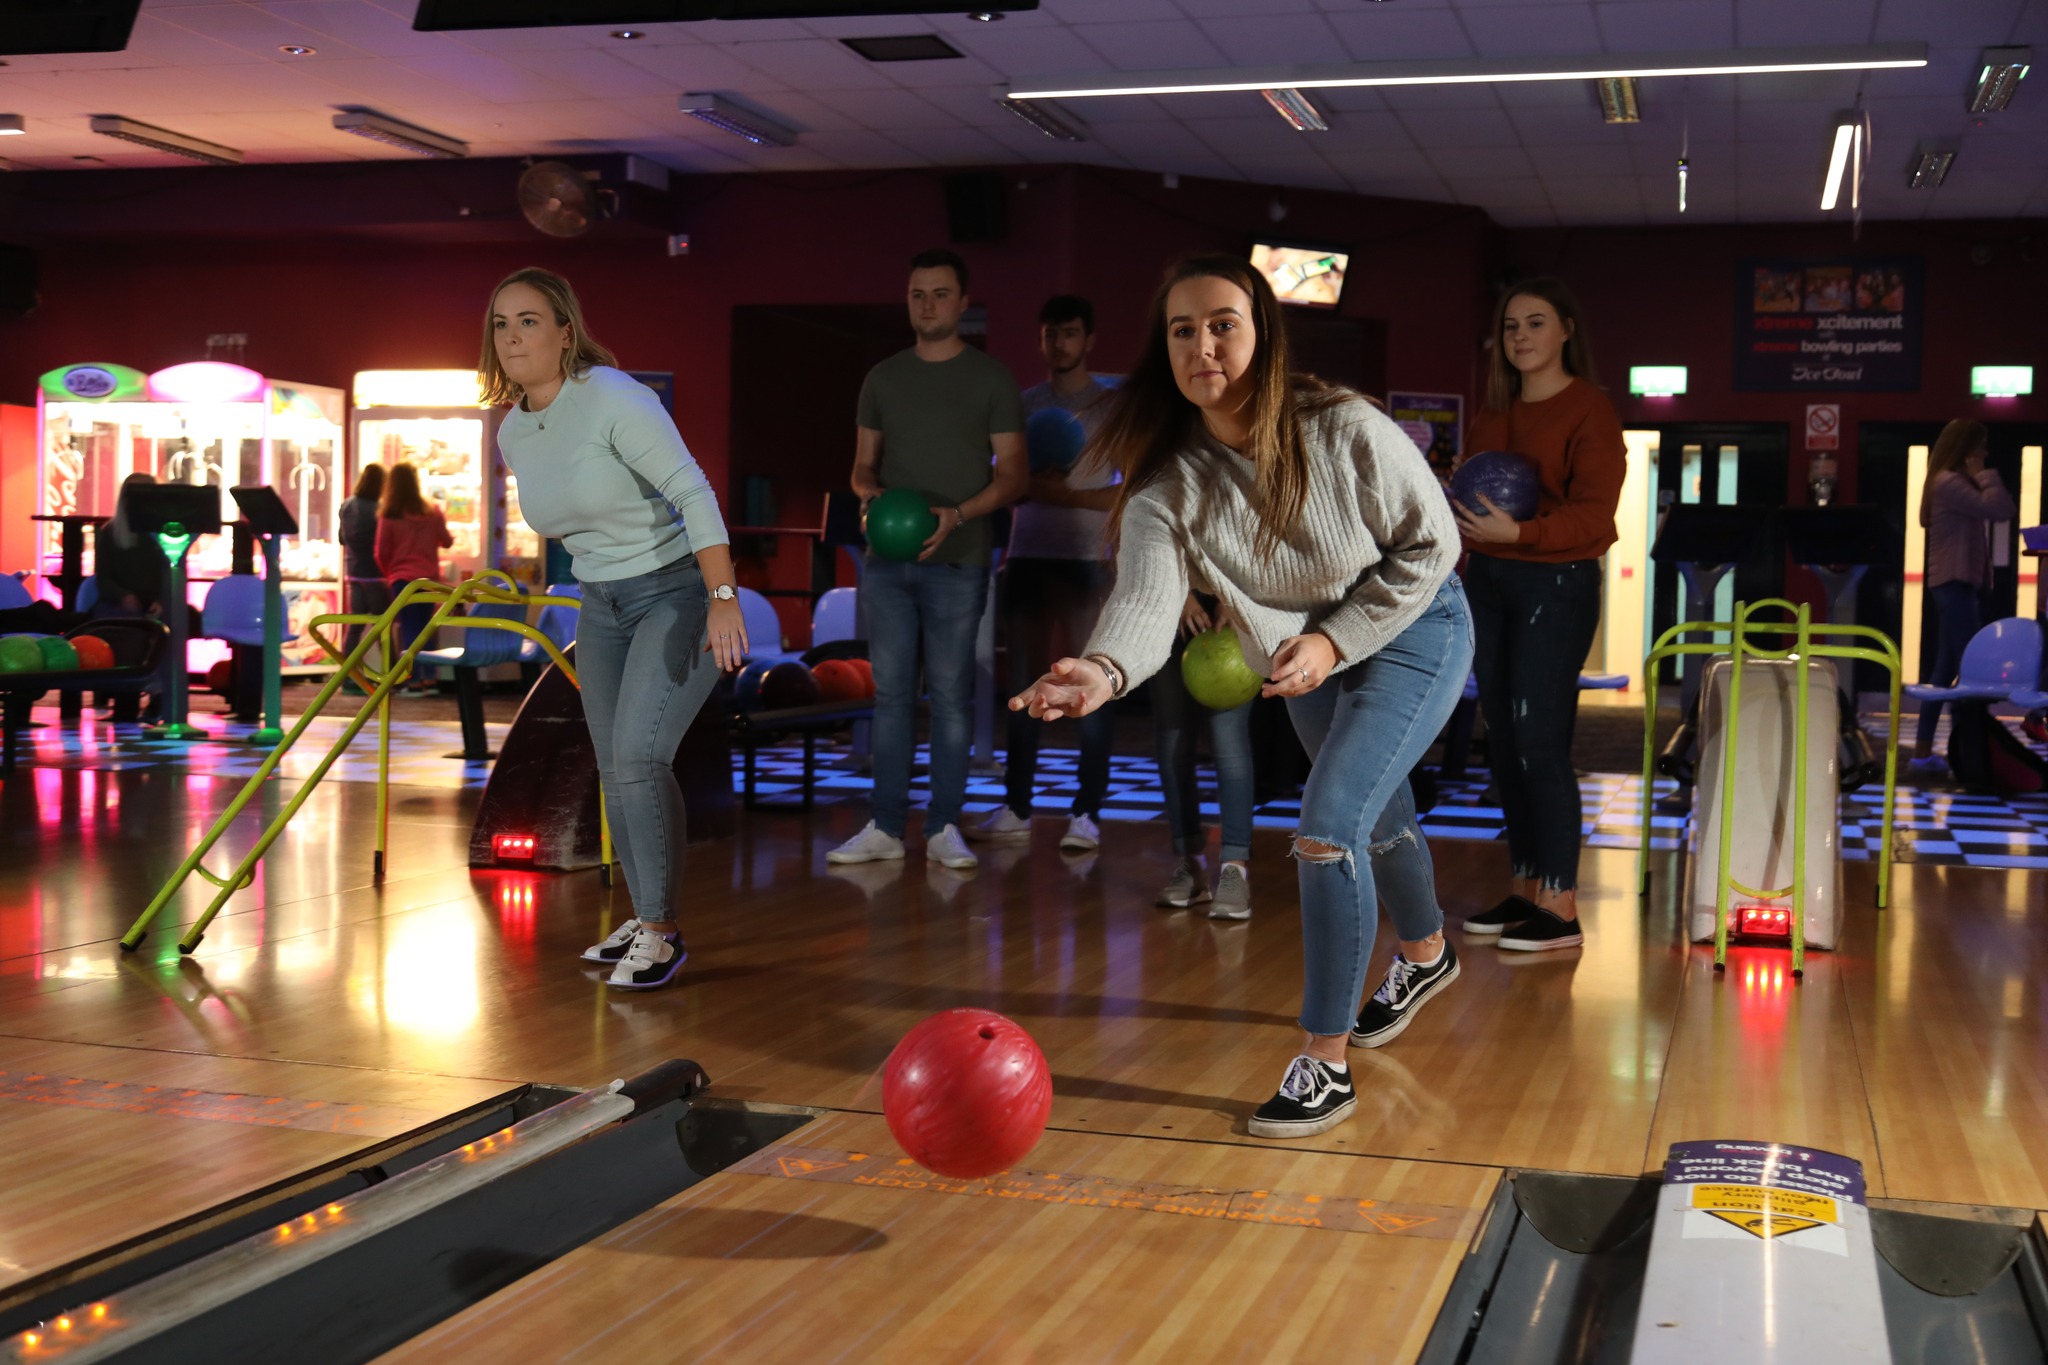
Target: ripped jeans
(1533, 624)
(1366, 727)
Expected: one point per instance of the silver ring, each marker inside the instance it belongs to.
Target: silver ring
(1304, 674)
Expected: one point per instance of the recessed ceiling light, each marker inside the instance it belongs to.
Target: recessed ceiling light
(1597, 66)
(1998, 78)
(1292, 105)
(1618, 100)
(164, 140)
(1042, 117)
(1930, 167)
(12, 125)
(297, 50)
(985, 16)
(630, 35)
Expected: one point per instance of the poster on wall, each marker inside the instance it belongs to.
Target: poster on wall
(1842, 325)
(1434, 421)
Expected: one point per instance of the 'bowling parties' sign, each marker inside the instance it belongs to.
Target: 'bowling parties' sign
(1828, 326)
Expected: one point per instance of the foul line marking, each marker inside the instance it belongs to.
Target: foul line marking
(212, 1106)
(1275, 1208)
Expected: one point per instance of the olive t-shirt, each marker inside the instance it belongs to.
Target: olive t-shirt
(936, 418)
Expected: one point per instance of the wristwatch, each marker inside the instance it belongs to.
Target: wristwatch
(724, 592)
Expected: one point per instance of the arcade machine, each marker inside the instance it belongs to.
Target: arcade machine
(432, 419)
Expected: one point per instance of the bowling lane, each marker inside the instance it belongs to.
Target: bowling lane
(810, 1260)
(105, 1144)
(1950, 1034)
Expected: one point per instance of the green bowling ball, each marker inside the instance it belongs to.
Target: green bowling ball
(1214, 669)
(20, 654)
(59, 655)
(899, 523)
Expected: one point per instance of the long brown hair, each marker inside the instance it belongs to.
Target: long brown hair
(1503, 380)
(370, 483)
(1153, 422)
(1959, 440)
(584, 349)
(402, 494)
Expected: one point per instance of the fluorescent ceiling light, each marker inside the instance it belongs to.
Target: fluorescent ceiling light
(2000, 76)
(404, 136)
(1929, 168)
(1042, 117)
(164, 140)
(728, 117)
(1292, 105)
(1618, 99)
(1598, 66)
(1846, 134)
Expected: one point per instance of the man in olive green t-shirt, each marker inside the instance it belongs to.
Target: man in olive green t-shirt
(945, 420)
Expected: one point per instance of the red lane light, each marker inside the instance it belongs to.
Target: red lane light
(520, 846)
(1764, 919)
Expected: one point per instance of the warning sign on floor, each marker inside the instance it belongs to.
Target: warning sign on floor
(1815, 1208)
(1765, 1225)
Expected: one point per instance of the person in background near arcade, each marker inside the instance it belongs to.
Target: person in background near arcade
(602, 467)
(1535, 592)
(1959, 504)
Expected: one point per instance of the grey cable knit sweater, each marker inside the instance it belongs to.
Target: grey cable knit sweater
(1375, 541)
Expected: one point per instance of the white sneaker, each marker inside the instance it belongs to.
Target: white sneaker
(868, 846)
(1002, 826)
(1233, 894)
(948, 849)
(651, 960)
(1082, 834)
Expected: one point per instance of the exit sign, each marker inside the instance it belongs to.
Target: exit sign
(1656, 381)
(2001, 381)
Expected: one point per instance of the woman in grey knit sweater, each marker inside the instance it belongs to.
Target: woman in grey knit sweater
(1316, 523)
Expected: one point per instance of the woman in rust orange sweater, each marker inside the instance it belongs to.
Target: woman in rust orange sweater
(1535, 592)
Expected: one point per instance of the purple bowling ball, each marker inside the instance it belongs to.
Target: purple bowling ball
(1509, 480)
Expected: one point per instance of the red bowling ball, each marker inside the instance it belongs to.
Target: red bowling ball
(967, 1093)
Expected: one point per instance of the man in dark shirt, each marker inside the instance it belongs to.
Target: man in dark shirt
(930, 419)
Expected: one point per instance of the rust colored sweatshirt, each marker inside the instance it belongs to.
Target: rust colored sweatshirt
(1574, 440)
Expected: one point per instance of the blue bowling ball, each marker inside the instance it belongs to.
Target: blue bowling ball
(746, 685)
(1509, 480)
(1054, 438)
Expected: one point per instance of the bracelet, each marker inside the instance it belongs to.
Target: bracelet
(1109, 671)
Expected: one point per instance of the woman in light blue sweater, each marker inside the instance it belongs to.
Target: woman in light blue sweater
(601, 466)
(1317, 525)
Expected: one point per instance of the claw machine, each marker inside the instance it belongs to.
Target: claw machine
(433, 420)
(204, 423)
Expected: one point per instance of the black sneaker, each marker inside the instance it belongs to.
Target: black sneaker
(1487, 923)
(1540, 931)
(1314, 1098)
(651, 960)
(1401, 997)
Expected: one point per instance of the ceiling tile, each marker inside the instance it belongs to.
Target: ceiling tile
(1534, 30)
(1030, 51)
(697, 66)
(1272, 39)
(1384, 33)
(1470, 163)
(1090, 12)
(1460, 128)
(1152, 46)
(1774, 23)
(814, 64)
(1664, 25)
(368, 28)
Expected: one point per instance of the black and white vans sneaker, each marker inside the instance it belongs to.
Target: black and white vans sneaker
(652, 960)
(1541, 931)
(1314, 1098)
(1509, 912)
(614, 947)
(1401, 997)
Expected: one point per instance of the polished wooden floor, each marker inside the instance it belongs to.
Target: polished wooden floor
(325, 1012)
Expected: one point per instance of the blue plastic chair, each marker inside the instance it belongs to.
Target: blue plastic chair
(557, 623)
(1603, 682)
(764, 627)
(14, 595)
(234, 611)
(834, 618)
(2002, 658)
(480, 649)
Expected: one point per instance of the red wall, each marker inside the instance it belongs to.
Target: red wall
(1657, 296)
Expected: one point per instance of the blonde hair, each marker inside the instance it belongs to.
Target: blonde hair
(1959, 440)
(583, 352)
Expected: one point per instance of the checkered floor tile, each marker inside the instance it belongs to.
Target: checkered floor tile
(1929, 825)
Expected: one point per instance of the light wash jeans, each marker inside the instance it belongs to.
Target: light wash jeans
(935, 609)
(1366, 727)
(644, 674)
(1174, 716)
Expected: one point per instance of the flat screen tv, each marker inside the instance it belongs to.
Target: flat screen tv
(1310, 276)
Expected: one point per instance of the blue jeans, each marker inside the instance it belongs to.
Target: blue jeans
(936, 608)
(1174, 715)
(1047, 608)
(644, 674)
(1366, 728)
(1958, 614)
